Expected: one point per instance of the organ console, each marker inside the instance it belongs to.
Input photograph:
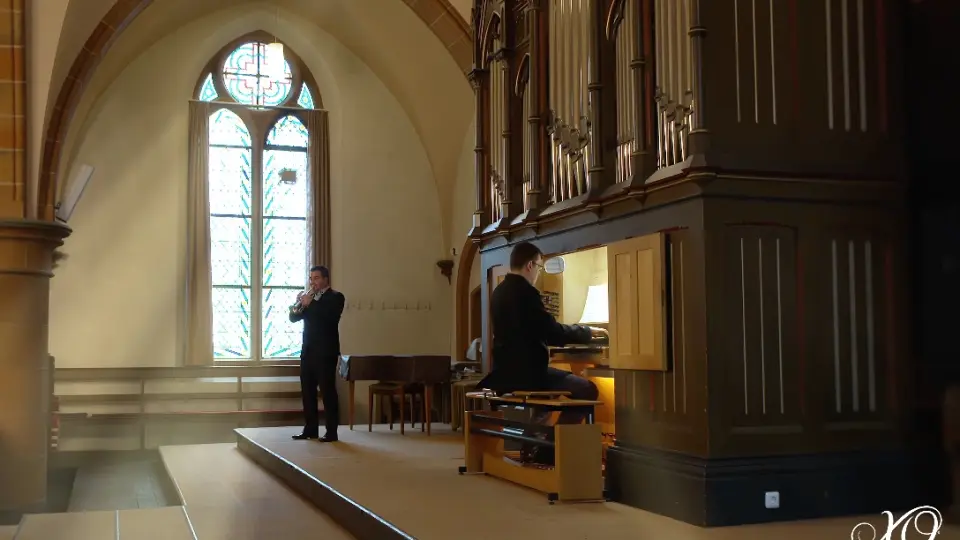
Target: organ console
(579, 296)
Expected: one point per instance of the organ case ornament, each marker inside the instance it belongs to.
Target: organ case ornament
(580, 95)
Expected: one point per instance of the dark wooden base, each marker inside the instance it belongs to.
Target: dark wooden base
(713, 493)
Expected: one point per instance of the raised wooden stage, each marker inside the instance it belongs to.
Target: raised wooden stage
(383, 485)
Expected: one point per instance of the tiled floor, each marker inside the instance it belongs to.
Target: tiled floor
(411, 482)
(228, 497)
(118, 486)
(168, 523)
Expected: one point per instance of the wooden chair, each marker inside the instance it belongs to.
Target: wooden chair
(389, 390)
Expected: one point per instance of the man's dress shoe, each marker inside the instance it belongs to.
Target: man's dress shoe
(329, 438)
(304, 436)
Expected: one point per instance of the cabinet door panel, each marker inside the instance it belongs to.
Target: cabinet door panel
(636, 295)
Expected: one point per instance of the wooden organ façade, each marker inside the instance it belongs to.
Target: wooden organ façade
(741, 162)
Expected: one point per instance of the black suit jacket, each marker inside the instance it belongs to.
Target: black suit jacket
(321, 325)
(522, 330)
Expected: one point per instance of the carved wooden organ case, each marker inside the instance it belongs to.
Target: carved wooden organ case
(575, 97)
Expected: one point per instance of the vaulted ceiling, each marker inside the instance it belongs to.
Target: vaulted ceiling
(418, 48)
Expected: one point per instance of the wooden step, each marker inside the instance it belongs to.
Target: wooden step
(229, 497)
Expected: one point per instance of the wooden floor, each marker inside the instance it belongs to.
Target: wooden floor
(411, 481)
(228, 497)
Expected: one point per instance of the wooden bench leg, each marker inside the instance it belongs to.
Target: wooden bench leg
(371, 411)
(579, 462)
(412, 398)
(403, 405)
(389, 408)
(428, 405)
(351, 404)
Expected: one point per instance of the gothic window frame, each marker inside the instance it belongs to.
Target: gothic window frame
(260, 121)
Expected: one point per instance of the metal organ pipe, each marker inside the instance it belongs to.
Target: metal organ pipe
(627, 98)
(528, 154)
(674, 72)
(497, 154)
(570, 53)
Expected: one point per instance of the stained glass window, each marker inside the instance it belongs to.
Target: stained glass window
(208, 92)
(227, 129)
(289, 131)
(284, 229)
(246, 79)
(230, 190)
(259, 202)
(306, 99)
(281, 339)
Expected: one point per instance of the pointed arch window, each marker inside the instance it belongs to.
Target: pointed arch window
(266, 183)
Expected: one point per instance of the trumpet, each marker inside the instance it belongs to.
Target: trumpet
(297, 307)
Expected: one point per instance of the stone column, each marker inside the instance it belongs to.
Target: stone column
(26, 260)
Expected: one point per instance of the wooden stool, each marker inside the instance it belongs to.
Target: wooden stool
(577, 473)
(384, 389)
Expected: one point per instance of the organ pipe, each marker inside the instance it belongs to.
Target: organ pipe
(626, 67)
(674, 80)
(528, 143)
(497, 115)
(626, 34)
(539, 188)
(569, 63)
(477, 79)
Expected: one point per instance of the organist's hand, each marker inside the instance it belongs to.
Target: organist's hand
(596, 332)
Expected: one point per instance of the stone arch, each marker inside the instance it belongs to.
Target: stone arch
(442, 19)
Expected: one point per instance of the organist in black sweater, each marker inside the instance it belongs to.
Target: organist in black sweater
(320, 309)
(522, 330)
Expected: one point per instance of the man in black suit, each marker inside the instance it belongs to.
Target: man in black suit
(522, 330)
(320, 312)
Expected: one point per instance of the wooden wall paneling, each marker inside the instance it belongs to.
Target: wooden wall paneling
(667, 409)
(758, 377)
(803, 87)
(858, 357)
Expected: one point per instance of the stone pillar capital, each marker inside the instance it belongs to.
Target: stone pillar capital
(26, 246)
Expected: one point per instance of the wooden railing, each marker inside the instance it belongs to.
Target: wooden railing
(79, 407)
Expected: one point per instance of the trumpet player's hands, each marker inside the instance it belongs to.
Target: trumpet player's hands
(305, 299)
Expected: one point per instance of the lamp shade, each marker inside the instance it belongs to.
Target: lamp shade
(274, 65)
(596, 309)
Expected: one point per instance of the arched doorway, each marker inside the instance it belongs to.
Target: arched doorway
(464, 296)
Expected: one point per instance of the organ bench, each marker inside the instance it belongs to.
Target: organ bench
(577, 475)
